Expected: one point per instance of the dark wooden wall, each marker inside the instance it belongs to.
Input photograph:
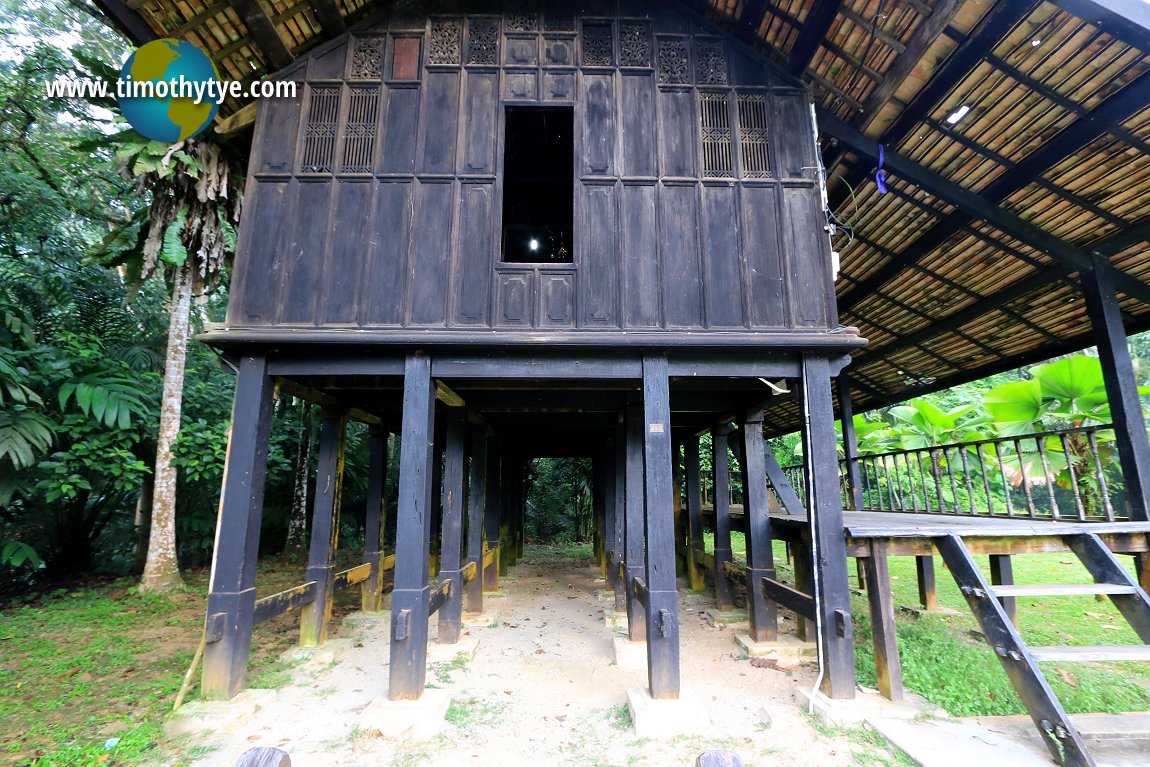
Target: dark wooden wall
(374, 200)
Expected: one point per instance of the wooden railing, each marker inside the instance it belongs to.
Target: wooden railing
(1066, 474)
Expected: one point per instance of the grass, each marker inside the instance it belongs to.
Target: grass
(469, 713)
(620, 717)
(444, 670)
(559, 550)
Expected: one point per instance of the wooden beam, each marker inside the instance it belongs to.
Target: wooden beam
(127, 21)
(694, 512)
(328, 15)
(818, 20)
(888, 667)
(850, 441)
(263, 30)
(237, 121)
(1127, 20)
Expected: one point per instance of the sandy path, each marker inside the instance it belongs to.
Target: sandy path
(543, 689)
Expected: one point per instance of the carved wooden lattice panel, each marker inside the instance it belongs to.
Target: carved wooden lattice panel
(522, 16)
(320, 131)
(446, 42)
(359, 135)
(715, 124)
(634, 45)
(483, 41)
(598, 45)
(753, 122)
(367, 59)
(674, 61)
(710, 63)
(559, 17)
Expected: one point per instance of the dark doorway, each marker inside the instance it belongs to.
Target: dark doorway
(538, 185)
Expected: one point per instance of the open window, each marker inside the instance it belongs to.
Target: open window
(538, 185)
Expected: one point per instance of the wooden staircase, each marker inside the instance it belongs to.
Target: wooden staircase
(1062, 738)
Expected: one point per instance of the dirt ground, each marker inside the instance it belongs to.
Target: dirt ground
(543, 689)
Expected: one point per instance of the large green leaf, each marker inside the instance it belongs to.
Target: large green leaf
(1016, 406)
(1076, 382)
(23, 434)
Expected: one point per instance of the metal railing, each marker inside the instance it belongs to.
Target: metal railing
(1067, 474)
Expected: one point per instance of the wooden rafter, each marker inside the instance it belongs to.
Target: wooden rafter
(328, 15)
(264, 32)
(1127, 20)
(130, 24)
(815, 26)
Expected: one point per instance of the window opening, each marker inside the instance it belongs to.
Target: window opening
(538, 185)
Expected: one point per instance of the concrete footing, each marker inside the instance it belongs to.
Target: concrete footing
(628, 654)
(419, 719)
(652, 718)
(362, 620)
(866, 706)
(724, 618)
(213, 717)
(442, 653)
(325, 653)
(787, 648)
(615, 622)
(481, 620)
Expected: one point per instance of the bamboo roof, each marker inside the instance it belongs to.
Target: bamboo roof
(969, 263)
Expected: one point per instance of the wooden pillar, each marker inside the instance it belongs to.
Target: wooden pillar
(371, 591)
(491, 515)
(411, 596)
(476, 496)
(636, 529)
(436, 519)
(887, 665)
(824, 507)
(451, 534)
(682, 530)
(1002, 574)
(618, 491)
(316, 615)
(507, 478)
(850, 443)
(804, 581)
(762, 612)
(662, 593)
(232, 593)
(724, 598)
(927, 587)
(694, 513)
(1121, 386)
(1142, 569)
(607, 460)
(599, 512)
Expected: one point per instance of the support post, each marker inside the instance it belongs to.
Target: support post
(724, 599)
(491, 515)
(411, 596)
(888, 668)
(1142, 570)
(599, 512)
(804, 582)
(436, 519)
(476, 497)
(824, 508)
(316, 615)
(371, 593)
(619, 457)
(607, 460)
(694, 513)
(451, 533)
(232, 593)
(636, 532)
(662, 593)
(1002, 574)
(850, 443)
(682, 531)
(1121, 386)
(927, 588)
(762, 612)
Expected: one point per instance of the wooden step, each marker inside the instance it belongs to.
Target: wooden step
(1085, 653)
(1061, 589)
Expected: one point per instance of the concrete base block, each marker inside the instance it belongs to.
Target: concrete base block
(362, 620)
(606, 595)
(209, 717)
(444, 653)
(497, 594)
(786, 648)
(481, 620)
(723, 618)
(630, 654)
(418, 719)
(961, 743)
(867, 705)
(324, 654)
(652, 718)
(615, 622)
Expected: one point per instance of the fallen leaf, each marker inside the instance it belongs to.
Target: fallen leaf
(102, 758)
(1067, 677)
(770, 663)
(507, 692)
(540, 651)
(255, 737)
(68, 673)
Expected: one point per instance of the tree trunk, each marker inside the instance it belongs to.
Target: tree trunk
(143, 519)
(161, 569)
(296, 545)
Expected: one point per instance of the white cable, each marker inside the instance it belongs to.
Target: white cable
(814, 560)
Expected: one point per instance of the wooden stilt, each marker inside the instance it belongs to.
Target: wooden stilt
(860, 568)
(850, 443)
(662, 594)
(599, 512)
(436, 519)
(927, 588)
(636, 529)
(411, 596)
(493, 499)
(507, 479)
(681, 529)
(1142, 569)
(607, 460)
(762, 612)
(804, 582)
(824, 506)
(1002, 574)
(451, 534)
(316, 615)
(694, 513)
(619, 498)
(371, 591)
(724, 597)
(886, 658)
(476, 497)
(232, 594)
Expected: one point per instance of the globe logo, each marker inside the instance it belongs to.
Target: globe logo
(167, 90)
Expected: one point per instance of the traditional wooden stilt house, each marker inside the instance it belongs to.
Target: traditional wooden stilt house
(505, 230)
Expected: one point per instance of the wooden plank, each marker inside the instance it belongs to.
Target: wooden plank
(733, 570)
(375, 519)
(233, 593)
(762, 612)
(127, 21)
(637, 112)
(888, 667)
(316, 616)
(1061, 589)
(451, 535)
(263, 30)
(304, 262)
(1088, 654)
(473, 295)
(723, 274)
(762, 247)
(328, 15)
(634, 543)
(277, 604)
(782, 485)
(430, 254)
(788, 596)
(850, 441)
(469, 573)
(642, 289)
(679, 257)
(352, 575)
(440, 596)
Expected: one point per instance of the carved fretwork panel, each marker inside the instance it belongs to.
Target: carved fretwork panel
(522, 16)
(446, 45)
(367, 59)
(754, 119)
(598, 45)
(715, 123)
(359, 132)
(483, 42)
(710, 62)
(320, 129)
(674, 61)
(634, 44)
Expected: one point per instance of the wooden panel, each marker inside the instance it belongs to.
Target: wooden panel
(521, 52)
(760, 223)
(473, 293)
(345, 261)
(809, 283)
(638, 110)
(430, 253)
(255, 283)
(479, 148)
(329, 65)
(680, 256)
(598, 125)
(275, 151)
(521, 85)
(599, 288)
(381, 299)
(400, 131)
(794, 154)
(677, 133)
(722, 259)
(438, 123)
(305, 253)
(557, 300)
(516, 297)
(641, 286)
(559, 86)
(405, 58)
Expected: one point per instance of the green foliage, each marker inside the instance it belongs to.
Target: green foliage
(559, 505)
